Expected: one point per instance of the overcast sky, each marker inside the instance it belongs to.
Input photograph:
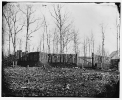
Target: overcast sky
(86, 17)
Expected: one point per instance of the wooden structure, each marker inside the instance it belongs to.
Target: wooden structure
(56, 60)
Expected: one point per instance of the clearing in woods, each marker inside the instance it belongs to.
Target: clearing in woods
(35, 81)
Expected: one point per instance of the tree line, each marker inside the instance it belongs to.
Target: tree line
(63, 32)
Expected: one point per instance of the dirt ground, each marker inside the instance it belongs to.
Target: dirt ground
(58, 82)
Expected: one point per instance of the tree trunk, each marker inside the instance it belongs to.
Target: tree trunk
(43, 42)
(61, 38)
(27, 37)
(89, 50)
(40, 45)
(103, 52)
(53, 44)
(14, 60)
(117, 40)
(93, 46)
(9, 44)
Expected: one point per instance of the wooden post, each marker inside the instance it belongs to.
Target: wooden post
(77, 58)
(13, 63)
(92, 60)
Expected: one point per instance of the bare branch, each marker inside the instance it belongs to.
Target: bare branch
(37, 28)
(55, 18)
(20, 29)
(21, 10)
(31, 22)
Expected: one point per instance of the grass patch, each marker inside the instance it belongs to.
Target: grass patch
(35, 81)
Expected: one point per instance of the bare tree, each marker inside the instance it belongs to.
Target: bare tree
(99, 50)
(47, 33)
(20, 43)
(103, 39)
(85, 48)
(92, 42)
(48, 42)
(7, 22)
(12, 22)
(117, 35)
(67, 38)
(61, 21)
(4, 24)
(40, 44)
(89, 46)
(29, 21)
(99, 54)
(119, 39)
(76, 41)
(4, 31)
(55, 41)
(43, 39)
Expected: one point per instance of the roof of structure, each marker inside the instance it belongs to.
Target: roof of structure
(114, 55)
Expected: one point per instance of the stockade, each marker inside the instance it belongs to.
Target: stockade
(61, 58)
(58, 60)
(55, 60)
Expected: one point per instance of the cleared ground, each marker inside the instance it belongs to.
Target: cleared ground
(35, 81)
